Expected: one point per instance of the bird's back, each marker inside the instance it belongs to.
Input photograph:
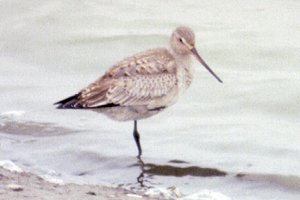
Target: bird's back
(146, 81)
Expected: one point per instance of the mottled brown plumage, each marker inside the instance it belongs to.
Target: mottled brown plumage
(144, 84)
(138, 80)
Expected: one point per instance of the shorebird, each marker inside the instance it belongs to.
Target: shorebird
(142, 85)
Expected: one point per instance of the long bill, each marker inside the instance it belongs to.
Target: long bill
(196, 54)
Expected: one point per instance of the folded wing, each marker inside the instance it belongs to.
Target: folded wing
(138, 80)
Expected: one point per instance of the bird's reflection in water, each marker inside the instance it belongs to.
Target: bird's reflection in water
(150, 169)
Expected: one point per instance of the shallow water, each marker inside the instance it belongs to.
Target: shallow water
(240, 138)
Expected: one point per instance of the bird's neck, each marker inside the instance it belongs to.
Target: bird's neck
(185, 70)
(182, 60)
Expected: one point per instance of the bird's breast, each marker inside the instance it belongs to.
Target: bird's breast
(185, 73)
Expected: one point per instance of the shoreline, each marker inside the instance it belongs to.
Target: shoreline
(25, 185)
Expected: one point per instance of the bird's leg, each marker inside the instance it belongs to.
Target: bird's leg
(140, 178)
(136, 136)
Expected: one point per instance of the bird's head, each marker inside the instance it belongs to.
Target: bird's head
(183, 43)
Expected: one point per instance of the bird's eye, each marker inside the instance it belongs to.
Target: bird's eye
(180, 40)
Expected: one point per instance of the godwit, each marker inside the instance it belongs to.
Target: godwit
(142, 85)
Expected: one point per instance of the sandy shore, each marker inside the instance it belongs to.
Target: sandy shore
(14, 185)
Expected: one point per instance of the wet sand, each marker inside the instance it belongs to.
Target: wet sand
(14, 185)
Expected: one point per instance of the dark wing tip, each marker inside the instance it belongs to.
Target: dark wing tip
(70, 102)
